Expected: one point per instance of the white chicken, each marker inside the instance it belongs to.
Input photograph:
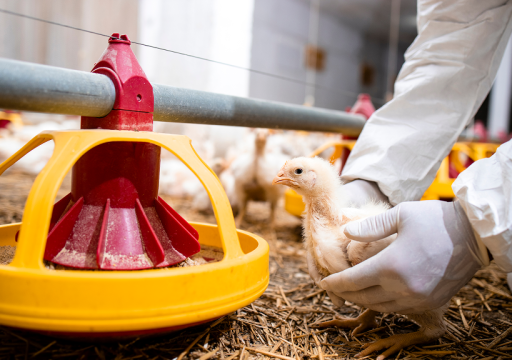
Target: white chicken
(327, 213)
(252, 172)
(200, 199)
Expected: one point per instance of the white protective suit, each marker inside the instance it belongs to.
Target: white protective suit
(448, 72)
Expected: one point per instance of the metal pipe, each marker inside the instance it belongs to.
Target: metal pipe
(32, 87)
(200, 107)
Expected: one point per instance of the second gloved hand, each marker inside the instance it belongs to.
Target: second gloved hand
(433, 256)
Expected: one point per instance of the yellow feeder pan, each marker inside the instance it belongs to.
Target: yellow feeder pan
(441, 187)
(123, 303)
(292, 201)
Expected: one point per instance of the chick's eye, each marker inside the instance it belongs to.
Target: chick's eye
(298, 171)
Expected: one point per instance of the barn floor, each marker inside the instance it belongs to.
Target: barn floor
(280, 324)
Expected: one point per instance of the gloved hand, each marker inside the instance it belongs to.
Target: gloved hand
(360, 192)
(317, 278)
(433, 256)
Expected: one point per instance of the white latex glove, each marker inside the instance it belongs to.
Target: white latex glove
(360, 192)
(317, 278)
(434, 255)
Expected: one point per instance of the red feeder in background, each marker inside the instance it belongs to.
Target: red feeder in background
(113, 219)
(363, 106)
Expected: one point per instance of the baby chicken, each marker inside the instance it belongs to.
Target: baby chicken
(326, 214)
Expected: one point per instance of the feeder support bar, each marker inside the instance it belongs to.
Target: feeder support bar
(33, 87)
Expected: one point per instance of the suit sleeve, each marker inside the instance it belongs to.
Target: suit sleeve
(485, 192)
(448, 72)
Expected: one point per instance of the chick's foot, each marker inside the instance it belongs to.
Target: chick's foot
(363, 322)
(394, 344)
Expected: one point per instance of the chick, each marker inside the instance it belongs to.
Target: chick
(252, 172)
(200, 199)
(325, 217)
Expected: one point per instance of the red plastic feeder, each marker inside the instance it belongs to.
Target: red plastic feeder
(113, 219)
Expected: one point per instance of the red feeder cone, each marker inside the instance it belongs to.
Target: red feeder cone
(363, 106)
(113, 218)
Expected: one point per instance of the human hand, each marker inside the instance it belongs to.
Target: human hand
(433, 256)
(360, 192)
(317, 278)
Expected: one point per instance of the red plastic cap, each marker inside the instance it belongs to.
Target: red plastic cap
(116, 38)
(480, 131)
(363, 106)
(133, 89)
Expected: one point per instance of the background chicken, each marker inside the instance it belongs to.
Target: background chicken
(252, 174)
(327, 213)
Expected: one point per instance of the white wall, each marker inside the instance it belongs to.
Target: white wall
(280, 33)
(33, 41)
(215, 29)
(220, 30)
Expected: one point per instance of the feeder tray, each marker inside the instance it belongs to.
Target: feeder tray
(123, 303)
(114, 223)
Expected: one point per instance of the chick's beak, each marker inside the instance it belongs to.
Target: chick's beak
(280, 179)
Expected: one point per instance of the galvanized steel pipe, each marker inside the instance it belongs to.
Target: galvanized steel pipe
(33, 87)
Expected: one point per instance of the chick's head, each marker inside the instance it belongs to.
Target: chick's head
(261, 139)
(308, 176)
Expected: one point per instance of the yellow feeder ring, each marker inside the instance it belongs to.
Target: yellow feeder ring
(97, 302)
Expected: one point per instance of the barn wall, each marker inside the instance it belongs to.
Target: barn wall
(280, 33)
(215, 29)
(29, 40)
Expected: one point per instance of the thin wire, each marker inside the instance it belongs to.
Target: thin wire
(344, 92)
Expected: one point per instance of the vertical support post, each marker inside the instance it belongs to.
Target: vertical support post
(499, 106)
(314, 12)
(394, 31)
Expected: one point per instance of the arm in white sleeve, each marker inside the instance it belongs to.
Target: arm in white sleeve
(448, 72)
(485, 192)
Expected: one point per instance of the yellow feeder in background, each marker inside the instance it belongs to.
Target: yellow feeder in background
(451, 166)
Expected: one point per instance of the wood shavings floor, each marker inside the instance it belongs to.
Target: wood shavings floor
(278, 324)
